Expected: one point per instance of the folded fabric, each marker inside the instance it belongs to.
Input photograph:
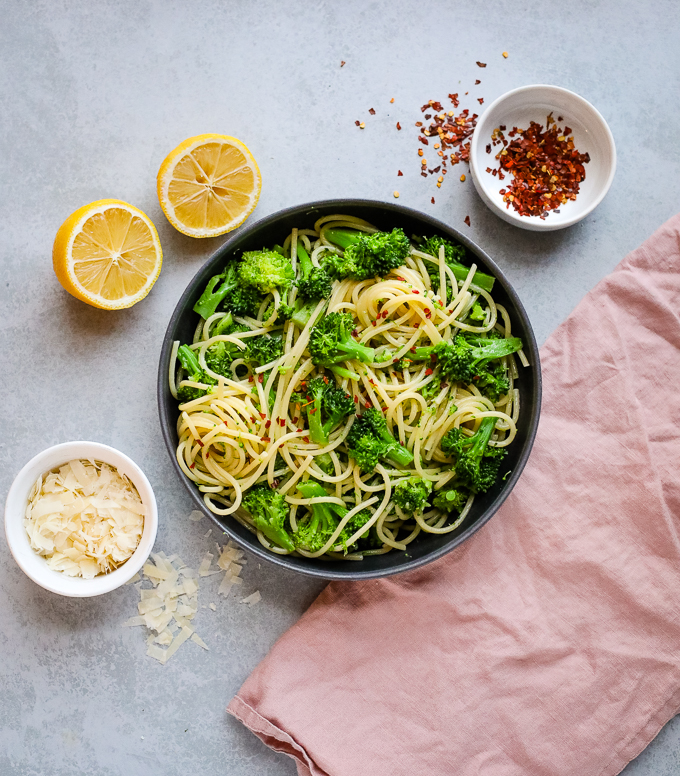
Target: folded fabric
(548, 644)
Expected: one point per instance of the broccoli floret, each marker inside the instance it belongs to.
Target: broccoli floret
(478, 313)
(217, 289)
(432, 389)
(269, 512)
(265, 270)
(454, 255)
(242, 301)
(331, 342)
(263, 349)
(366, 255)
(219, 355)
(315, 282)
(464, 357)
(476, 463)
(411, 495)
(189, 361)
(327, 405)
(370, 439)
(493, 383)
(303, 312)
(450, 500)
(314, 532)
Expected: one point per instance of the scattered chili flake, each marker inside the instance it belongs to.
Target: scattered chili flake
(266, 439)
(467, 220)
(362, 125)
(480, 100)
(358, 123)
(429, 372)
(305, 439)
(250, 378)
(396, 195)
(428, 313)
(424, 174)
(420, 152)
(415, 291)
(462, 179)
(342, 63)
(432, 200)
(260, 378)
(192, 465)
(454, 99)
(477, 82)
(546, 167)
(481, 64)
(371, 111)
(295, 420)
(392, 100)
(505, 54)
(356, 399)
(399, 174)
(419, 123)
(268, 424)
(416, 325)
(488, 148)
(423, 140)
(398, 125)
(282, 422)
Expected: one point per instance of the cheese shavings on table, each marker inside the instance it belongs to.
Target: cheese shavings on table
(85, 518)
(168, 607)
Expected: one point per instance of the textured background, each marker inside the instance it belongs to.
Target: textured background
(92, 98)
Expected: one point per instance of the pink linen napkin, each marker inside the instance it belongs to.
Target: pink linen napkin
(549, 643)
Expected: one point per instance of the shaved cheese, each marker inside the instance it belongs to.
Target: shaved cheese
(195, 516)
(205, 564)
(211, 606)
(207, 535)
(253, 598)
(85, 518)
(134, 579)
(225, 586)
(133, 621)
(198, 640)
(157, 653)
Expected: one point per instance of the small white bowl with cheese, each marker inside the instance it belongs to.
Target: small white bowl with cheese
(98, 500)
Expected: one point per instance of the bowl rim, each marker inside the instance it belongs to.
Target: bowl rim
(203, 274)
(33, 564)
(534, 223)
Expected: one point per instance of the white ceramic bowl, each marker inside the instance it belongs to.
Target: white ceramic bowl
(533, 103)
(34, 565)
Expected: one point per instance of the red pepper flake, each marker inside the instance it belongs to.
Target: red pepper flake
(477, 82)
(295, 420)
(392, 100)
(312, 411)
(415, 291)
(262, 415)
(480, 100)
(260, 379)
(398, 125)
(481, 64)
(305, 439)
(419, 123)
(423, 140)
(282, 423)
(342, 63)
(399, 173)
(416, 325)
(372, 323)
(423, 174)
(467, 220)
(268, 424)
(432, 200)
(266, 439)
(356, 399)
(250, 379)
(429, 372)
(275, 484)
(192, 465)
(433, 356)
(488, 148)
(454, 99)
(428, 313)
(325, 379)
(449, 312)
(546, 167)
(207, 453)
(413, 349)
(199, 443)
(357, 123)
(371, 111)
(385, 313)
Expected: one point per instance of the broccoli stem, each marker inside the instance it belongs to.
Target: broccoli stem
(480, 439)
(398, 453)
(211, 298)
(302, 314)
(316, 429)
(306, 265)
(479, 279)
(343, 238)
(340, 371)
(222, 324)
(189, 361)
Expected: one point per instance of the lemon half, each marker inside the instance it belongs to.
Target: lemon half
(208, 185)
(107, 254)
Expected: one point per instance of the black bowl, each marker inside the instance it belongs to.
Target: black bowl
(273, 229)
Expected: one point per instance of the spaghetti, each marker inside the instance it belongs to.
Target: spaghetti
(251, 425)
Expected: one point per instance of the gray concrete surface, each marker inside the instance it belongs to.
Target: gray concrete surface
(92, 98)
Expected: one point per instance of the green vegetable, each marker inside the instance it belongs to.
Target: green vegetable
(411, 495)
(189, 361)
(265, 270)
(315, 282)
(327, 406)
(450, 500)
(465, 357)
(269, 512)
(318, 528)
(216, 290)
(454, 255)
(476, 463)
(366, 255)
(331, 342)
(370, 439)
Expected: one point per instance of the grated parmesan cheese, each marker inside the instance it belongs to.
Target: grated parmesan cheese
(168, 607)
(85, 518)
